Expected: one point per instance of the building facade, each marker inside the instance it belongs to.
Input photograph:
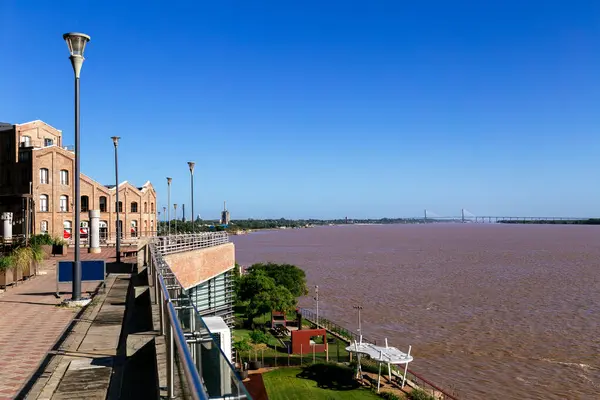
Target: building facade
(36, 185)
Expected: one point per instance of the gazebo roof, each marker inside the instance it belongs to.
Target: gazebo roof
(388, 355)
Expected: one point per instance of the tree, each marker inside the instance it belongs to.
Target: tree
(286, 275)
(263, 295)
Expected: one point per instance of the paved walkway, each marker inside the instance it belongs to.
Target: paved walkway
(31, 323)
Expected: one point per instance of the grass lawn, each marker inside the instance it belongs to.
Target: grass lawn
(283, 384)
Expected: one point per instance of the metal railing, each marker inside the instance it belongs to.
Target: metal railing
(191, 347)
(190, 241)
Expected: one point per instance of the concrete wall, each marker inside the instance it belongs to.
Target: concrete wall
(195, 267)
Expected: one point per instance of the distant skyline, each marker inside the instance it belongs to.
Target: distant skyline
(324, 109)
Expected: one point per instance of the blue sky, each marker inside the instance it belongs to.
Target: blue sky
(324, 108)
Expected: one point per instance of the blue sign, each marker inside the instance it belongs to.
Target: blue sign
(91, 271)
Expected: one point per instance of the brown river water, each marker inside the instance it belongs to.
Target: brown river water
(491, 311)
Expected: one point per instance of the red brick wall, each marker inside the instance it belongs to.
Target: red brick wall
(194, 267)
(301, 341)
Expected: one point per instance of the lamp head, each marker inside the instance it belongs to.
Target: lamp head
(76, 43)
(169, 180)
(115, 140)
(191, 164)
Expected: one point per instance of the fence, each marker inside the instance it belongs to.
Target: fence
(331, 326)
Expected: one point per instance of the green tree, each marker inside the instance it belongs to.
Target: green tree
(263, 295)
(286, 275)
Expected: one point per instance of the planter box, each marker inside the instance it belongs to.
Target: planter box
(30, 270)
(6, 278)
(47, 249)
(17, 274)
(59, 250)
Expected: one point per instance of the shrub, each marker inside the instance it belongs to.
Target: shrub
(242, 345)
(390, 396)
(420, 394)
(58, 241)
(37, 254)
(6, 263)
(22, 257)
(42, 239)
(259, 337)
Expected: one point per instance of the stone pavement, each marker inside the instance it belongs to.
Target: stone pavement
(31, 323)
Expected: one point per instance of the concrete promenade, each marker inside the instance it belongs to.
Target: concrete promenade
(32, 323)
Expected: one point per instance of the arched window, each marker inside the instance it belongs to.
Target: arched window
(103, 204)
(25, 141)
(134, 207)
(64, 203)
(44, 175)
(134, 228)
(44, 202)
(152, 207)
(64, 177)
(67, 229)
(85, 203)
(120, 208)
(44, 227)
(145, 206)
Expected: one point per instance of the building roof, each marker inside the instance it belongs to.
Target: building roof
(5, 126)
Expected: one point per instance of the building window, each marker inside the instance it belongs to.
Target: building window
(25, 141)
(84, 229)
(64, 177)
(152, 207)
(134, 207)
(64, 203)
(67, 229)
(134, 228)
(145, 206)
(85, 203)
(44, 227)
(120, 206)
(44, 175)
(103, 204)
(48, 142)
(103, 230)
(44, 202)
(151, 227)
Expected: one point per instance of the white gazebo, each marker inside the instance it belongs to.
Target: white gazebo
(382, 355)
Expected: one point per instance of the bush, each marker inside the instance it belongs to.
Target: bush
(37, 254)
(22, 257)
(41, 240)
(58, 241)
(6, 263)
(420, 394)
(259, 337)
(390, 396)
(242, 345)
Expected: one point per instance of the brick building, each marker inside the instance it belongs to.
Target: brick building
(36, 185)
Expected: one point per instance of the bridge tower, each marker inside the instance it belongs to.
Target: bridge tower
(462, 211)
(425, 215)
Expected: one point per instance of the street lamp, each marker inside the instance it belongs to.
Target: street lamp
(191, 164)
(169, 201)
(359, 327)
(115, 140)
(175, 207)
(158, 225)
(76, 43)
(164, 219)
(317, 299)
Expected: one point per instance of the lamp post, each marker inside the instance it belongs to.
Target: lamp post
(169, 205)
(115, 140)
(317, 299)
(164, 219)
(175, 208)
(158, 225)
(191, 164)
(359, 326)
(76, 43)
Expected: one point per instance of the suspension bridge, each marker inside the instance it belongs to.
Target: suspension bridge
(468, 217)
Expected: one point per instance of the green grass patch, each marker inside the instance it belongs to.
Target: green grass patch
(319, 381)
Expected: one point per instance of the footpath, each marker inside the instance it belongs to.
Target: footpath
(33, 326)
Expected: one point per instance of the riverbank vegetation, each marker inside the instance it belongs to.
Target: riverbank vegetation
(589, 221)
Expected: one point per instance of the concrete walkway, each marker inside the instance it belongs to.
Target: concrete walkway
(32, 323)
